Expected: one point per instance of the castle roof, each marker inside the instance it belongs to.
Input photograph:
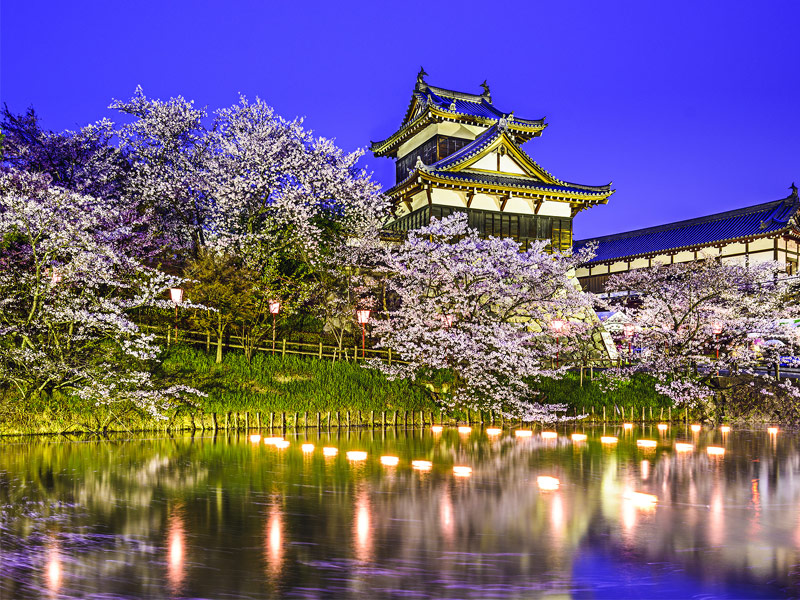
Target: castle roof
(750, 222)
(430, 104)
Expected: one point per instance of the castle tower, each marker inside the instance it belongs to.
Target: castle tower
(456, 152)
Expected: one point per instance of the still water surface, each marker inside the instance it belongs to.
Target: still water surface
(228, 517)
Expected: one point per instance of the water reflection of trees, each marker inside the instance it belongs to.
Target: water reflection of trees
(183, 517)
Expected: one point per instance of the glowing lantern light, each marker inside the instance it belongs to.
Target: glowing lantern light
(272, 441)
(464, 429)
(725, 429)
(662, 427)
(523, 433)
(176, 295)
(608, 439)
(578, 437)
(255, 438)
(422, 465)
(547, 483)
(356, 455)
(772, 430)
(494, 431)
(390, 461)
(640, 499)
(549, 435)
(459, 471)
(274, 307)
(627, 425)
(646, 443)
(437, 428)
(715, 451)
(328, 451)
(683, 447)
(282, 444)
(696, 428)
(307, 447)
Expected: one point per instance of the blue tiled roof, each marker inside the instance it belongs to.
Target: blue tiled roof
(480, 108)
(511, 181)
(752, 221)
(474, 147)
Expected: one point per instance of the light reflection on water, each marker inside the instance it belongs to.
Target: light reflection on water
(212, 517)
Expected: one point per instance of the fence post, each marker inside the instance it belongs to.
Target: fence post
(320, 349)
(390, 357)
(283, 349)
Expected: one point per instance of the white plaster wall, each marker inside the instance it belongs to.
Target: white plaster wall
(760, 257)
(762, 244)
(600, 270)
(487, 163)
(447, 197)
(551, 208)
(418, 200)
(661, 259)
(582, 272)
(509, 165)
(734, 248)
(685, 256)
(639, 263)
(484, 202)
(519, 205)
(618, 267)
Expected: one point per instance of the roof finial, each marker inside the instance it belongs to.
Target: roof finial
(420, 81)
(486, 91)
(793, 187)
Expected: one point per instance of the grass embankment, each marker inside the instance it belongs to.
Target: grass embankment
(239, 393)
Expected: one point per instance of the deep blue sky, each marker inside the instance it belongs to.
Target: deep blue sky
(690, 107)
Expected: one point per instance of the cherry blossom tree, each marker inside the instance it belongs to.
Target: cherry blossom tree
(473, 317)
(65, 297)
(695, 320)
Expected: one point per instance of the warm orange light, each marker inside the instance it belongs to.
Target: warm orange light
(646, 443)
(724, 429)
(328, 451)
(464, 429)
(422, 465)
(772, 430)
(547, 483)
(578, 437)
(494, 431)
(307, 447)
(460, 471)
(640, 499)
(271, 441)
(436, 428)
(390, 461)
(662, 427)
(282, 444)
(715, 451)
(549, 435)
(683, 447)
(255, 438)
(696, 428)
(523, 433)
(356, 455)
(608, 439)
(627, 425)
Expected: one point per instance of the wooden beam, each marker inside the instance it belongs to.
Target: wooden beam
(470, 197)
(407, 202)
(539, 203)
(504, 201)
(428, 192)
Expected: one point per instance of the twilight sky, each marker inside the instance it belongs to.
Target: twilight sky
(688, 106)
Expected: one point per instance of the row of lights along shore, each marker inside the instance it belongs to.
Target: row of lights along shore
(465, 471)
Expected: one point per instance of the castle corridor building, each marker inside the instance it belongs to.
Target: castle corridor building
(457, 152)
(759, 233)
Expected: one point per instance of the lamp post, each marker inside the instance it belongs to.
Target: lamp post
(629, 329)
(274, 309)
(176, 295)
(557, 325)
(363, 317)
(716, 329)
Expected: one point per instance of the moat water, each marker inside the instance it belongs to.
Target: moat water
(234, 517)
